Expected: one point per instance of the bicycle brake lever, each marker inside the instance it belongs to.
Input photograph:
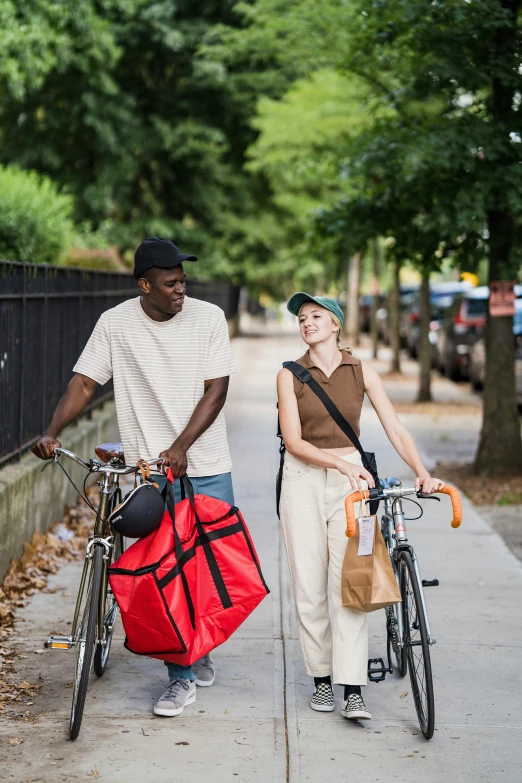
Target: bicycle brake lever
(421, 496)
(52, 461)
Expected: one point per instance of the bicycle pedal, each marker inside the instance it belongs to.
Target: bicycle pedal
(377, 671)
(430, 582)
(59, 643)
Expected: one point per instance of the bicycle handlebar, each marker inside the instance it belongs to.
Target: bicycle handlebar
(95, 467)
(356, 497)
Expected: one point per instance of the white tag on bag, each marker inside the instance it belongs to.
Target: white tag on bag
(366, 535)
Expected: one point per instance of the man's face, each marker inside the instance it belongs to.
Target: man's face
(165, 289)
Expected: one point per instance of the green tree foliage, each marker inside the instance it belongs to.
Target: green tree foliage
(35, 218)
(117, 105)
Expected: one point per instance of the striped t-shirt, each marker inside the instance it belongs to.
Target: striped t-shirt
(159, 369)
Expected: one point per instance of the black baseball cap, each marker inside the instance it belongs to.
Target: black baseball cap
(158, 252)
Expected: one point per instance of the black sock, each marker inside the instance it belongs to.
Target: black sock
(352, 689)
(327, 680)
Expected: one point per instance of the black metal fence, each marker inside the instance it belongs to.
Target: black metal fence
(46, 316)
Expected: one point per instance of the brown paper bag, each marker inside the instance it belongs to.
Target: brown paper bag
(368, 582)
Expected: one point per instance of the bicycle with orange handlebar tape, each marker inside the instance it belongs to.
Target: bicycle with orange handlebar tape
(407, 626)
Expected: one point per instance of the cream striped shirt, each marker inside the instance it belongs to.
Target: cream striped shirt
(159, 369)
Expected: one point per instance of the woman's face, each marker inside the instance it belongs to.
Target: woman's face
(316, 325)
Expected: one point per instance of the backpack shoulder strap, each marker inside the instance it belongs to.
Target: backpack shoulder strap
(306, 376)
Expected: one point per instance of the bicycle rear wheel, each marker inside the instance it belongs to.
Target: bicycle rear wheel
(110, 613)
(85, 641)
(416, 648)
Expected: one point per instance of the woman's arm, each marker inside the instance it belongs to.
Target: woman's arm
(397, 433)
(291, 430)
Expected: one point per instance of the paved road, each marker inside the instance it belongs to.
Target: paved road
(255, 724)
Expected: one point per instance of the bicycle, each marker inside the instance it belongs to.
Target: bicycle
(96, 608)
(408, 631)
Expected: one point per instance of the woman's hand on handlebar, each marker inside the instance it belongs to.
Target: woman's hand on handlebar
(428, 484)
(45, 446)
(355, 473)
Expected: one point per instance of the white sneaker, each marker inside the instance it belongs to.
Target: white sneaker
(178, 695)
(323, 698)
(354, 708)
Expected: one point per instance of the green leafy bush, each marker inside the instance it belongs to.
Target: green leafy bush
(35, 218)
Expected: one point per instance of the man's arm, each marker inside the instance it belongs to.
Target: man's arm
(78, 395)
(205, 414)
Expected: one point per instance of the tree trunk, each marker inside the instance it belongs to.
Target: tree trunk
(375, 297)
(352, 300)
(424, 340)
(500, 446)
(395, 337)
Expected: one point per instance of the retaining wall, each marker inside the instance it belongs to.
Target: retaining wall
(31, 500)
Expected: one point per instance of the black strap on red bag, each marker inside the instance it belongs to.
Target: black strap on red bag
(368, 457)
(188, 491)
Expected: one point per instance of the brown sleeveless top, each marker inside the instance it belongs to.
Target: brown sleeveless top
(345, 387)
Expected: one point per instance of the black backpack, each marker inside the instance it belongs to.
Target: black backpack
(368, 457)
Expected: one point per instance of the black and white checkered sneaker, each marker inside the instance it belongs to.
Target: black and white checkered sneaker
(354, 708)
(323, 698)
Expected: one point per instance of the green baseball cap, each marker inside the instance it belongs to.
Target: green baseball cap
(298, 300)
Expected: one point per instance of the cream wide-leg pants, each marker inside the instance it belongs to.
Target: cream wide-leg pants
(313, 523)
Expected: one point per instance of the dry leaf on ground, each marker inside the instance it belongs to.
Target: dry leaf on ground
(43, 555)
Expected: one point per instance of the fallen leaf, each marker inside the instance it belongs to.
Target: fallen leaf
(95, 773)
(15, 741)
(403, 695)
(226, 712)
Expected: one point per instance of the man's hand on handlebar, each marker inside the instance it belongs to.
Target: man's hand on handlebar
(45, 446)
(428, 484)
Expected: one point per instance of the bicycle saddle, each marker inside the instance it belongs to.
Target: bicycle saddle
(390, 482)
(108, 451)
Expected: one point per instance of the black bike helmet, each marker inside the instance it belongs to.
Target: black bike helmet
(140, 513)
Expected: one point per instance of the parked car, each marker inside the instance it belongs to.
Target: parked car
(477, 356)
(383, 314)
(442, 296)
(459, 329)
(365, 310)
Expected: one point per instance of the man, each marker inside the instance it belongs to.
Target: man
(170, 359)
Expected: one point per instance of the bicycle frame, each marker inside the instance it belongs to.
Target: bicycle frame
(102, 536)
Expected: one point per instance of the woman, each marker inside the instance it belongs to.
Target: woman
(321, 467)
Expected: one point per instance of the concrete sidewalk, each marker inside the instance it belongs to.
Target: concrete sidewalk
(255, 723)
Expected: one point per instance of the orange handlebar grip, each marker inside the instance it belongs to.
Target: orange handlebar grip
(349, 501)
(456, 504)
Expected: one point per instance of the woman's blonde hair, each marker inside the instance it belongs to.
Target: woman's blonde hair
(332, 316)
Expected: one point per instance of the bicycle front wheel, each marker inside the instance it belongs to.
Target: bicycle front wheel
(110, 613)
(416, 648)
(85, 641)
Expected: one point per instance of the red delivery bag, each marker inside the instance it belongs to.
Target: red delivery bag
(185, 588)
